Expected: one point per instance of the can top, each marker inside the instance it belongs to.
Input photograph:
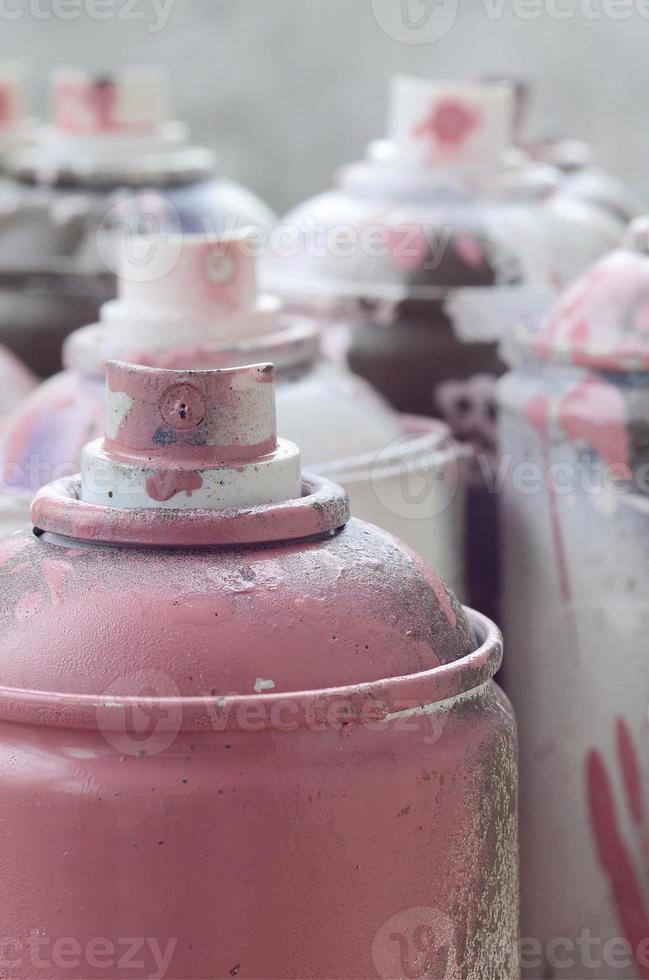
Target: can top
(206, 416)
(109, 128)
(200, 442)
(188, 440)
(459, 125)
(335, 604)
(188, 301)
(127, 101)
(602, 321)
(193, 276)
(411, 221)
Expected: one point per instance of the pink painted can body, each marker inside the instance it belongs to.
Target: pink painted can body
(281, 846)
(261, 742)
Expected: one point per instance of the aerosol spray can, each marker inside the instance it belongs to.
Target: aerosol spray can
(111, 157)
(575, 462)
(258, 735)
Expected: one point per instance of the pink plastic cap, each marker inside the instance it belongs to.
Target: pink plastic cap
(209, 416)
(193, 275)
(128, 102)
(189, 440)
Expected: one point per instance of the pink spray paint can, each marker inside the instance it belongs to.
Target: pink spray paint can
(258, 737)
(111, 158)
(574, 429)
(193, 302)
(406, 253)
(433, 248)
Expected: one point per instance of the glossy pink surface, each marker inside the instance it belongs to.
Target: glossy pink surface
(283, 758)
(270, 834)
(316, 851)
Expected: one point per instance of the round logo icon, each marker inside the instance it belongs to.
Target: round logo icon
(416, 943)
(415, 480)
(220, 268)
(415, 21)
(139, 238)
(146, 722)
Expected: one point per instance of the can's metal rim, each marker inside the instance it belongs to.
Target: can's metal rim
(426, 444)
(322, 509)
(361, 704)
(294, 342)
(171, 164)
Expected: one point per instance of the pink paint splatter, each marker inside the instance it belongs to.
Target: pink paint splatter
(538, 413)
(408, 246)
(6, 107)
(165, 484)
(87, 108)
(29, 606)
(54, 574)
(630, 772)
(560, 320)
(102, 100)
(469, 250)
(614, 857)
(579, 334)
(450, 123)
(11, 547)
(594, 413)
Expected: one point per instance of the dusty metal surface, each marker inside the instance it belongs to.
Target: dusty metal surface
(284, 758)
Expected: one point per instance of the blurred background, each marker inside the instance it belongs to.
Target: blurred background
(288, 90)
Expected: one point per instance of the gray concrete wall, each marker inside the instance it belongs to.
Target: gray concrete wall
(289, 89)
